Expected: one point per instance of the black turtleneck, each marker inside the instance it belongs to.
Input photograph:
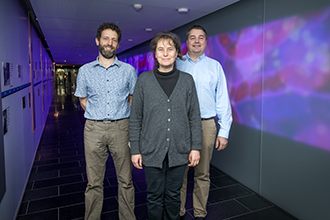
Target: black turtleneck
(167, 80)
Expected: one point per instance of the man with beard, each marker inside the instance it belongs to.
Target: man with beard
(105, 87)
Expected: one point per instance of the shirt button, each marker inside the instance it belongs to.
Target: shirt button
(169, 109)
(168, 129)
(167, 139)
(169, 119)
(168, 100)
(108, 91)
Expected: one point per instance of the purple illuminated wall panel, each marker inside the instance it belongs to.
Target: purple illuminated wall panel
(297, 78)
(278, 75)
(141, 63)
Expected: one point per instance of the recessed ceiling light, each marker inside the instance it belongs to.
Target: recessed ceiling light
(183, 10)
(137, 7)
(148, 29)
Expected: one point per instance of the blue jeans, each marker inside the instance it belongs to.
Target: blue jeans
(163, 192)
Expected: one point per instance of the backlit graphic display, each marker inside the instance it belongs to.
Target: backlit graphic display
(278, 75)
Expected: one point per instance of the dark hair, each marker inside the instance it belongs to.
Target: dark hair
(199, 27)
(111, 26)
(166, 35)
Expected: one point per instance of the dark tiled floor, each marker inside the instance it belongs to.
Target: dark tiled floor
(55, 189)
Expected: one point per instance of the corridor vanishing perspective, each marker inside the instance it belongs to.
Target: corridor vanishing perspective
(55, 189)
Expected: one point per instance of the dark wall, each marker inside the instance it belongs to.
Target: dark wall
(246, 167)
(279, 142)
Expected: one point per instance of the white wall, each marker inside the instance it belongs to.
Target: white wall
(20, 142)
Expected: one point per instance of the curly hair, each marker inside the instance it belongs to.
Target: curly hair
(111, 26)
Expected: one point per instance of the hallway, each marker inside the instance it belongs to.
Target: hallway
(55, 189)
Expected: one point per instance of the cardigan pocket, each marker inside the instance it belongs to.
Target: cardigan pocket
(184, 146)
(147, 147)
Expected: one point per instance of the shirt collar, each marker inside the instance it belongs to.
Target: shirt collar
(115, 62)
(198, 59)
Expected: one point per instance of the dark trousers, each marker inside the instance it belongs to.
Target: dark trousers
(163, 192)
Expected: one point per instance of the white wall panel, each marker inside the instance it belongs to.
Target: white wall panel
(19, 141)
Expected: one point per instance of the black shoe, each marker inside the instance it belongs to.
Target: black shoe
(181, 217)
(199, 218)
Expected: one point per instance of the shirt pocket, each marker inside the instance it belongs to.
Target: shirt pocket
(208, 81)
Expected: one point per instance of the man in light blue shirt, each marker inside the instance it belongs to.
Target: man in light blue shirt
(214, 101)
(105, 87)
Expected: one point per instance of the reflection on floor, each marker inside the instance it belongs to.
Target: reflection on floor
(56, 185)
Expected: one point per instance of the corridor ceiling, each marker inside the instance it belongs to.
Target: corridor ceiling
(69, 26)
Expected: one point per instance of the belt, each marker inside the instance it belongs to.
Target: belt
(106, 120)
(204, 119)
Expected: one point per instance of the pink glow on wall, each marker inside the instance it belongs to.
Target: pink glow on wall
(278, 75)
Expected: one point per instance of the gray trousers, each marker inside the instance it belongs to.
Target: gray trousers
(202, 172)
(101, 138)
